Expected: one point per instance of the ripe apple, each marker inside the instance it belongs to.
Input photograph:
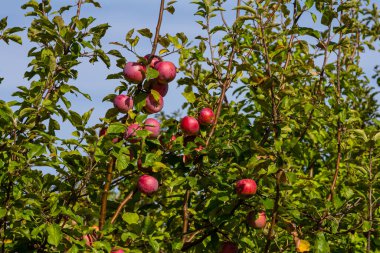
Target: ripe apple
(90, 238)
(123, 103)
(199, 148)
(229, 247)
(206, 116)
(155, 59)
(189, 125)
(130, 133)
(257, 220)
(134, 72)
(152, 105)
(161, 88)
(153, 126)
(246, 187)
(166, 71)
(147, 184)
(117, 251)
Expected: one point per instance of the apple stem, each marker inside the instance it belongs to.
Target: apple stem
(103, 207)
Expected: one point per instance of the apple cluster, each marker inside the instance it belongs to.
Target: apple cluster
(135, 72)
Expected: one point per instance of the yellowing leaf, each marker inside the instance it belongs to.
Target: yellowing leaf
(303, 246)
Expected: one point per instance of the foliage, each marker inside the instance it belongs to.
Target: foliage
(301, 116)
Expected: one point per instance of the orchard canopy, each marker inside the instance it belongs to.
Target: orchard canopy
(221, 126)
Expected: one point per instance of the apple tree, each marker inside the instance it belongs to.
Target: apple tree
(276, 149)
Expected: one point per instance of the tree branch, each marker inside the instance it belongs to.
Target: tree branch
(103, 207)
(185, 215)
(226, 83)
(122, 204)
(275, 210)
(370, 203)
(158, 27)
(339, 123)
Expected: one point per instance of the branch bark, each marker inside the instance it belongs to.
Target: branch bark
(370, 202)
(226, 83)
(122, 204)
(103, 207)
(185, 215)
(339, 123)
(158, 27)
(275, 211)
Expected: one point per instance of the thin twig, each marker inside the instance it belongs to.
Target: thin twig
(122, 204)
(339, 123)
(188, 245)
(226, 84)
(79, 5)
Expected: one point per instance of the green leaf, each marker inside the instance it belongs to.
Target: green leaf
(245, 8)
(3, 23)
(116, 128)
(131, 218)
(328, 16)
(35, 150)
(3, 212)
(189, 95)
(309, 4)
(54, 234)
(366, 226)
(145, 32)
(129, 34)
(140, 101)
(376, 137)
(154, 244)
(151, 73)
(321, 245)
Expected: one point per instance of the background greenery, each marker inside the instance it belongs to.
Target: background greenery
(303, 122)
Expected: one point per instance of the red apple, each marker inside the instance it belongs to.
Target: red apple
(90, 238)
(153, 126)
(147, 184)
(167, 71)
(103, 131)
(130, 133)
(199, 148)
(189, 125)
(169, 145)
(229, 247)
(161, 88)
(206, 116)
(117, 251)
(152, 105)
(246, 187)
(134, 72)
(155, 59)
(256, 220)
(123, 103)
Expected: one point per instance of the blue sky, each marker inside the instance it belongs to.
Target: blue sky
(122, 16)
